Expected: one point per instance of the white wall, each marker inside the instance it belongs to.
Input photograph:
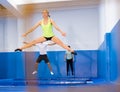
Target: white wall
(8, 34)
(112, 11)
(81, 26)
(109, 16)
(2, 34)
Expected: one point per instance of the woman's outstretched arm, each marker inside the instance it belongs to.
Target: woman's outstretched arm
(57, 28)
(32, 29)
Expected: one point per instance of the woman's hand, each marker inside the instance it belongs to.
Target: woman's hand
(63, 33)
(24, 35)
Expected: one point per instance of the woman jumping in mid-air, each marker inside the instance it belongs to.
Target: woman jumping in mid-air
(46, 23)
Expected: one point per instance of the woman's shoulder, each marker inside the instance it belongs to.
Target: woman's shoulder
(51, 20)
(39, 22)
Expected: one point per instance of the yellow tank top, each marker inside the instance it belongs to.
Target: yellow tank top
(47, 29)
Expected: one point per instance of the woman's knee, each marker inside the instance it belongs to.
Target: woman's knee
(57, 41)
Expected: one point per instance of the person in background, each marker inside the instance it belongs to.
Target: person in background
(69, 59)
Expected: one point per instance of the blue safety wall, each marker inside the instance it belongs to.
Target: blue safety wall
(109, 55)
(20, 65)
(12, 65)
(102, 63)
(104, 58)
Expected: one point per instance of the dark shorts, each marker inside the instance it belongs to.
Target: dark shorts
(42, 57)
(48, 38)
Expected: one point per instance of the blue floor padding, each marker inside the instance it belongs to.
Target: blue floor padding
(57, 81)
(50, 81)
(44, 81)
(6, 82)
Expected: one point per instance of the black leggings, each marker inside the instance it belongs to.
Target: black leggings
(70, 65)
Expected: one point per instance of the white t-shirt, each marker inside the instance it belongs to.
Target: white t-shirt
(42, 48)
